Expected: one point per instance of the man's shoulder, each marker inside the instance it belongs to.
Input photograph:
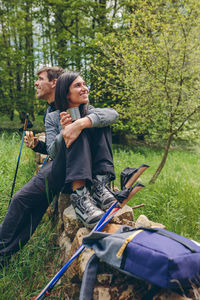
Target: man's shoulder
(54, 115)
(90, 107)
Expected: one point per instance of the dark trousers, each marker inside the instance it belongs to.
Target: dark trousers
(88, 156)
(25, 211)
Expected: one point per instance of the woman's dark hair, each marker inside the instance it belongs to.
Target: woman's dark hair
(62, 89)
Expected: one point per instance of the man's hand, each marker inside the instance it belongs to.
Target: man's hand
(30, 140)
(71, 131)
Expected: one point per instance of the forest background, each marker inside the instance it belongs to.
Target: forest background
(140, 57)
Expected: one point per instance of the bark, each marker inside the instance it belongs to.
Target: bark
(163, 161)
(29, 75)
(49, 36)
(102, 14)
(77, 57)
(6, 41)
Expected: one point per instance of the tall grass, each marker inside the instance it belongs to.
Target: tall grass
(27, 271)
(7, 124)
(173, 200)
(9, 151)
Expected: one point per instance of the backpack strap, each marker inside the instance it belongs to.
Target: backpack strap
(89, 278)
(169, 235)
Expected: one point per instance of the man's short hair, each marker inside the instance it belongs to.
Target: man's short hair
(52, 72)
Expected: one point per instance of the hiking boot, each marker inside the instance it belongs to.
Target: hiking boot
(85, 207)
(100, 192)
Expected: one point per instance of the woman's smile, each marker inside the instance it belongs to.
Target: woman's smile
(78, 92)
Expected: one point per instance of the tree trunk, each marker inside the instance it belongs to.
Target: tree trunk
(77, 57)
(30, 91)
(49, 37)
(7, 45)
(162, 163)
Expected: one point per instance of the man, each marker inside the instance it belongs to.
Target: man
(45, 89)
(29, 204)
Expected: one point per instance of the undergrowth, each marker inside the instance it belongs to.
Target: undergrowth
(30, 268)
(172, 200)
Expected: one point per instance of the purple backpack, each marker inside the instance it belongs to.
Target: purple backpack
(161, 257)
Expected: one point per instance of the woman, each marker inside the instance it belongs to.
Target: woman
(82, 149)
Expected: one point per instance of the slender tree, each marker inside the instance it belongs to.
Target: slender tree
(152, 71)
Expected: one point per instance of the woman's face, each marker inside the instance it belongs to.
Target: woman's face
(78, 93)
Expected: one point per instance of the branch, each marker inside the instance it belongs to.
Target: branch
(63, 24)
(166, 72)
(137, 206)
(183, 63)
(187, 118)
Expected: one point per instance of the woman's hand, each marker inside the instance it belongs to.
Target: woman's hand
(65, 119)
(72, 131)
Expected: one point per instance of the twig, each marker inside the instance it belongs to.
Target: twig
(138, 206)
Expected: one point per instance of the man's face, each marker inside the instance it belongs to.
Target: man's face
(44, 88)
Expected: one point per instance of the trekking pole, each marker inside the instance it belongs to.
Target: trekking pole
(138, 186)
(110, 213)
(20, 151)
(46, 158)
(101, 224)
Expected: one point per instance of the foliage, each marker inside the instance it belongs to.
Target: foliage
(139, 56)
(173, 199)
(144, 57)
(47, 32)
(150, 72)
(5, 124)
(17, 57)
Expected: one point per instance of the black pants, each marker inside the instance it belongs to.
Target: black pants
(25, 212)
(89, 155)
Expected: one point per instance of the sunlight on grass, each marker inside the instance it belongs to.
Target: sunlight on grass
(173, 199)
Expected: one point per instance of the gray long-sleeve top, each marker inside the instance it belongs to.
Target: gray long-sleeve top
(41, 146)
(100, 117)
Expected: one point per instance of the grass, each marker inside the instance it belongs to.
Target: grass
(9, 151)
(6, 124)
(173, 200)
(27, 271)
